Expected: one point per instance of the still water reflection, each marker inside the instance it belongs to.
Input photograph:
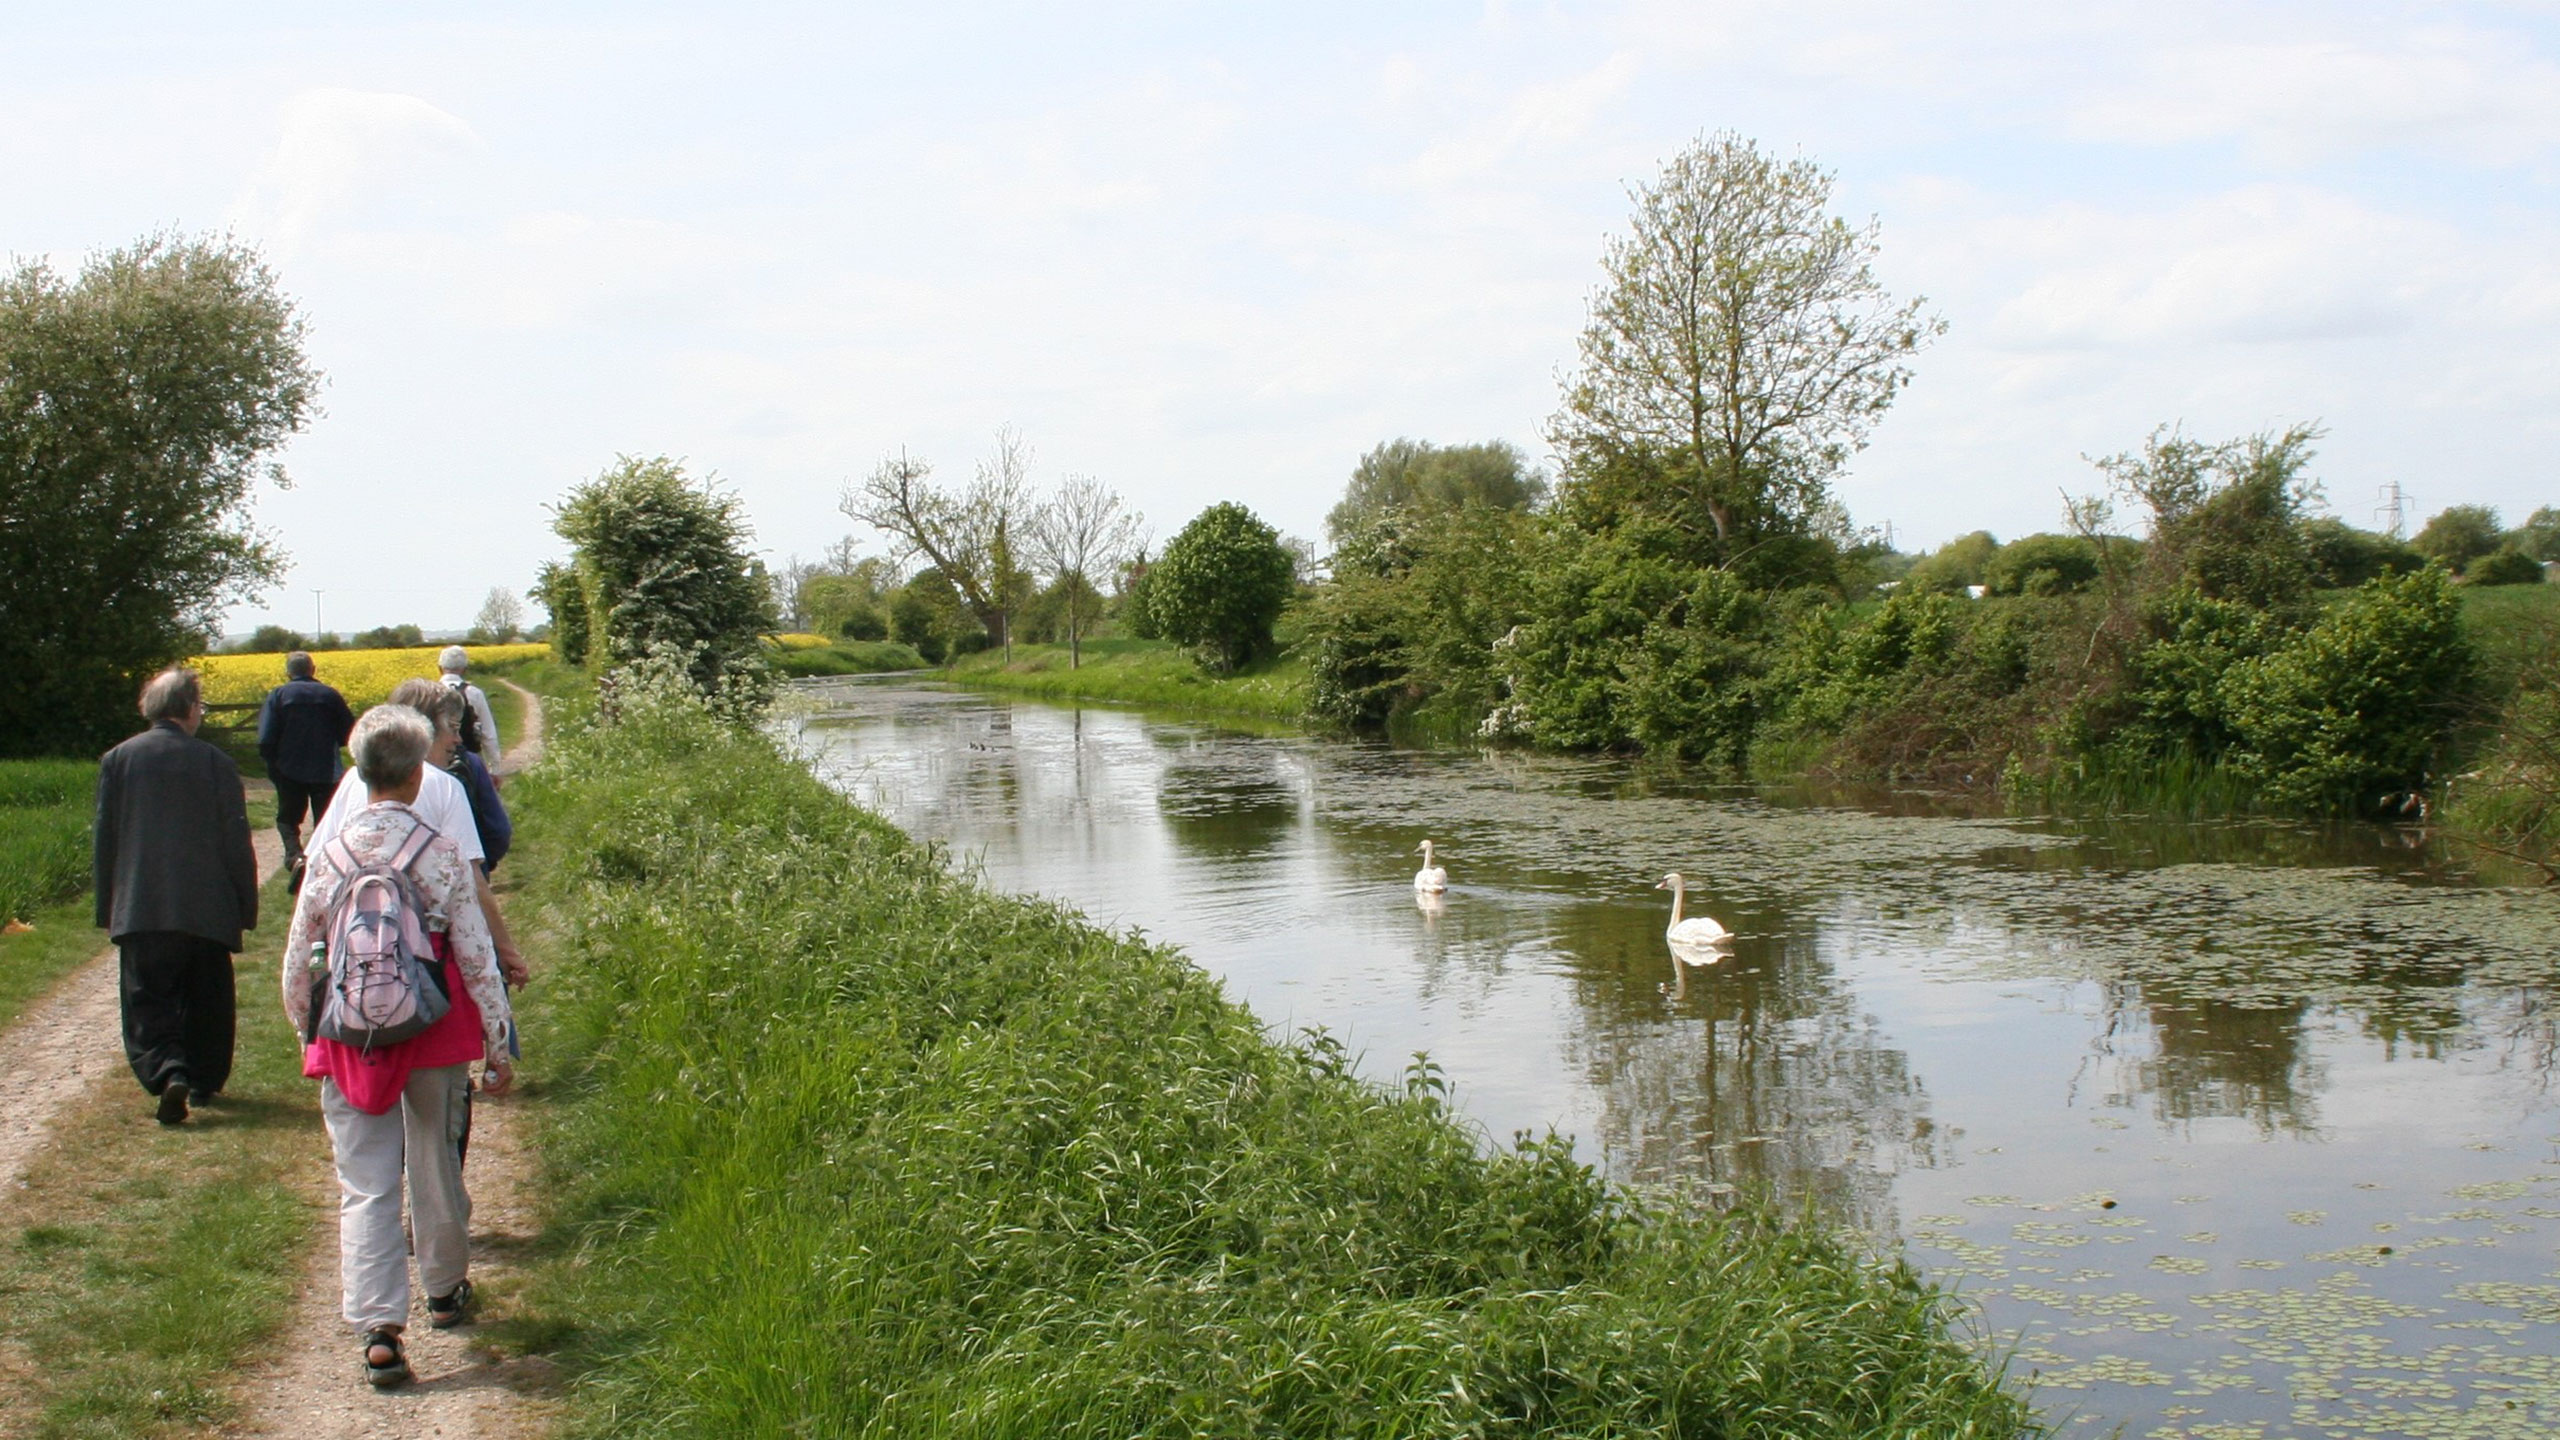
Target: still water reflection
(2226, 1129)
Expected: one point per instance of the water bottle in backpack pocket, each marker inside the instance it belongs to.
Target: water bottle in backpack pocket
(381, 982)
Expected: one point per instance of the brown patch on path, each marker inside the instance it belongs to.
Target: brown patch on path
(528, 748)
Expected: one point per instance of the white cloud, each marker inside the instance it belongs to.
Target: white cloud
(337, 146)
(2258, 264)
(2468, 94)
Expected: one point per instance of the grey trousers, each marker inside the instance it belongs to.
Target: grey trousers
(421, 1136)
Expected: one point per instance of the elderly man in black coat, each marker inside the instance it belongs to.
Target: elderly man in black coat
(177, 885)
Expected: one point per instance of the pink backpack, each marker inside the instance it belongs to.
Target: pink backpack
(381, 982)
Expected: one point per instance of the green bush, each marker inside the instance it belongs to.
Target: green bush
(855, 1147)
(2358, 705)
(1221, 586)
(661, 560)
(2504, 567)
(2043, 565)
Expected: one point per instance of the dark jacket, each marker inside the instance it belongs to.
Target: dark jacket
(172, 840)
(488, 812)
(300, 729)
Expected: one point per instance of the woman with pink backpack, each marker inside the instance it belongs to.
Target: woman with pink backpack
(391, 1034)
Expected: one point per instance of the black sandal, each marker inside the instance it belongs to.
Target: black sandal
(446, 1311)
(394, 1373)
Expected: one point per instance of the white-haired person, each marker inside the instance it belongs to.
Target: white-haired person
(447, 806)
(480, 736)
(397, 1111)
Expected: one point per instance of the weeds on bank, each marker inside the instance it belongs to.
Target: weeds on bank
(850, 1146)
(1151, 674)
(44, 832)
(139, 1265)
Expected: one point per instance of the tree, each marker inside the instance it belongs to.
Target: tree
(501, 617)
(1083, 531)
(388, 637)
(973, 539)
(138, 405)
(556, 586)
(1221, 586)
(1738, 351)
(662, 562)
(271, 640)
(1420, 476)
(2539, 535)
(2458, 535)
(2225, 518)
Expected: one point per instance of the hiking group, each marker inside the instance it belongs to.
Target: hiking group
(396, 966)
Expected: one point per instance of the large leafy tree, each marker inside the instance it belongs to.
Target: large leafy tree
(977, 538)
(1419, 476)
(138, 406)
(662, 562)
(1221, 586)
(1738, 352)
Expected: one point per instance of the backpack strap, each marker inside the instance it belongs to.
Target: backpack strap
(421, 835)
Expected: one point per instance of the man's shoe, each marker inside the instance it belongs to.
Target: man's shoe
(173, 1101)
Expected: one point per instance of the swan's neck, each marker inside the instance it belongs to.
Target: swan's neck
(1426, 854)
(1679, 893)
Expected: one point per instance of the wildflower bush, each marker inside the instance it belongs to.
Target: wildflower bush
(852, 1145)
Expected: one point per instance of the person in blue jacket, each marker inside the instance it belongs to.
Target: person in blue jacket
(300, 729)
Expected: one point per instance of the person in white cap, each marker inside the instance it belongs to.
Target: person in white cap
(481, 736)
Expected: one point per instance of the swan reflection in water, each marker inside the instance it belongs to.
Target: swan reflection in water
(1688, 955)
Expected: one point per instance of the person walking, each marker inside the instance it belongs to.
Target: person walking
(177, 885)
(300, 728)
(399, 1110)
(481, 736)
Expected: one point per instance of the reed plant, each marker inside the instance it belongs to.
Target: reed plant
(848, 1144)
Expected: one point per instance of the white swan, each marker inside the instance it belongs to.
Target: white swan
(1698, 930)
(1430, 879)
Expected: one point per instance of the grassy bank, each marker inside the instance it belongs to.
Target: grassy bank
(849, 1146)
(44, 832)
(1148, 673)
(141, 1265)
(845, 657)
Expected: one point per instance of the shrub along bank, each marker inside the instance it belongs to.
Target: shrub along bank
(1155, 674)
(850, 1145)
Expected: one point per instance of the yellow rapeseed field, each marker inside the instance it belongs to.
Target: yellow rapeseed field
(365, 677)
(801, 640)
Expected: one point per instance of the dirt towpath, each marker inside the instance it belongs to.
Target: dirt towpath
(312, 1387)
(71, 1040)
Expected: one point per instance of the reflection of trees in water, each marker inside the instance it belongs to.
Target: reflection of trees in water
(1231, 798)
(2202, 1058)
(1764, 1073)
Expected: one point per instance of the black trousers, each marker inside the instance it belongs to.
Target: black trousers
(179, 1009)
(292, 799)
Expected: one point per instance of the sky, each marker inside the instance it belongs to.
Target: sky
(1209, 252)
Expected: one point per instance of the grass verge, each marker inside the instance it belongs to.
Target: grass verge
(847, 1145)
(138, 1265)
(1151, 674)
(44, 832)
(844, 657)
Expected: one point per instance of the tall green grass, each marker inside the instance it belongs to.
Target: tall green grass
(851, 1146)
(845, 657)
(1150, 674)
(44, 832)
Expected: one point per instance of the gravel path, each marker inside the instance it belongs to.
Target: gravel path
(313, 1384)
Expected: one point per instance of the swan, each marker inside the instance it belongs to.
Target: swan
(1430, 879)
(1700, 930)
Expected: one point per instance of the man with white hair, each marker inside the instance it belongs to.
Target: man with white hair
(177, 884)
(481, 736)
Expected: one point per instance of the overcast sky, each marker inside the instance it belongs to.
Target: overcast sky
(1215, 252)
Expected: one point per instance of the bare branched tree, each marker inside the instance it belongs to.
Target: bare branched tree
(972, 538)
(1083, 533)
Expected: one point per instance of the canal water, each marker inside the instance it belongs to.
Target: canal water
(2217, 1129)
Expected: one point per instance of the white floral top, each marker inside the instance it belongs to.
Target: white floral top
(445, 881)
